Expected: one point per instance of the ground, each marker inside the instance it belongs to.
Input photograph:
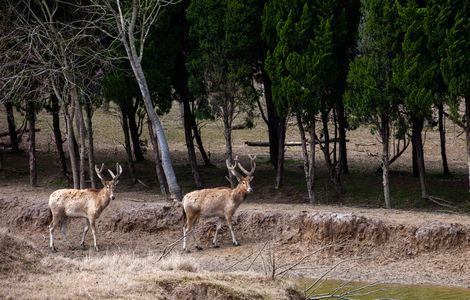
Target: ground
(417, 243)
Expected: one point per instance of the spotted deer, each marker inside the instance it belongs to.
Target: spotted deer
(219, 202)
(86, 203)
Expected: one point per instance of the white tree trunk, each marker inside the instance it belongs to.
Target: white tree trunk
(173, 186)
(385, 135)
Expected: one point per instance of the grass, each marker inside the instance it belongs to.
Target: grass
(121, 276)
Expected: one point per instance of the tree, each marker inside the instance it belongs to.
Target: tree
(220, 65)
(131, 25)
(455, 62)
(416, 72)
(168, 60)
(56, 46)
(123, 90)
(372, 97)
(274, 15)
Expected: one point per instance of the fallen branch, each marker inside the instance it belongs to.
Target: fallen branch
(287, 144)
(167, 250)
(441, 202)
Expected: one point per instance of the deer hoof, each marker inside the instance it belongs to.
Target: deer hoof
(82, 246)
(187, 250)
(53, 249)
(96, 249)
(215, 245)
(236, 243)
(198, 247)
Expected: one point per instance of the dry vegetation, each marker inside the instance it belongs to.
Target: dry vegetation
(122, 276)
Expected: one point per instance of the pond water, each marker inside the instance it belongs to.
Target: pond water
(360, 291)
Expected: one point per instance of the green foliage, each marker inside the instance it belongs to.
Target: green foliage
(371, 92)
(120, 87)
(221, 63)
(301, 61)
(415, 68)
(455, 63)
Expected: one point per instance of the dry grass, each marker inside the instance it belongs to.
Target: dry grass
(124, 276)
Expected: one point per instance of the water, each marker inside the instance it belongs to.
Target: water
(359, 291)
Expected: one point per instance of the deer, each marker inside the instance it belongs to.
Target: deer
(86, 203)
(221, 202)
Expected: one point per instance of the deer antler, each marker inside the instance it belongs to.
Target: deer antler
(99, 171)
(231, 168)
(118, 172)
(253, 166)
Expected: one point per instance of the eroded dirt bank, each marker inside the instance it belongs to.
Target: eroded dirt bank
(390, 246)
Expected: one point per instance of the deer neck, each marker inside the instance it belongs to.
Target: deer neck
(103, 198)
(239, 194)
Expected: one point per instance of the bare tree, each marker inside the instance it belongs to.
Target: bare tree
(58, 44)
(131, 24)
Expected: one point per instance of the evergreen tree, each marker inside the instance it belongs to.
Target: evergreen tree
(220, 66)
(372, 97)
(455, 62)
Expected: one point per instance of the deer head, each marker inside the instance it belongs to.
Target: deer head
(109, 185)
(243, 181)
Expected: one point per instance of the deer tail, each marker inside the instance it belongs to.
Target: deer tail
(49, 215)
(184, 217)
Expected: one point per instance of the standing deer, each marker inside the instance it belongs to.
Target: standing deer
(219, 202)
(87, 203)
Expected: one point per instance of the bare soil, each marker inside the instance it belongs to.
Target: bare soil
(369, 244)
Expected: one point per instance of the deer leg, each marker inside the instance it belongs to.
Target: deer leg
(51, 235)
(217, 228)
(63, 228)
(229, 223)
(193, 234)
(92, 225)
(85, 231)
(188, 229)
(185, 232)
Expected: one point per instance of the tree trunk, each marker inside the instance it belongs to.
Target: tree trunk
(134, 131)
(127, 144)
(273, 121)
(186, 117)
(281, 151)
(414, 153)
(467, 134)
(173, 185)
(91, 146)
(442, 135)
(385, 135)
(81, 129)
(71, 146)
(333, 170)
(156, 158)
(308, 156)
(312, 158)
(33, 176)
(197, 136)
(417, 129)
(12, 127)
(58, 135)
(342, 124)
(228, 144)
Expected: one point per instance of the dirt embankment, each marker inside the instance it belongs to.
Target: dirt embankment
(351, 233)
